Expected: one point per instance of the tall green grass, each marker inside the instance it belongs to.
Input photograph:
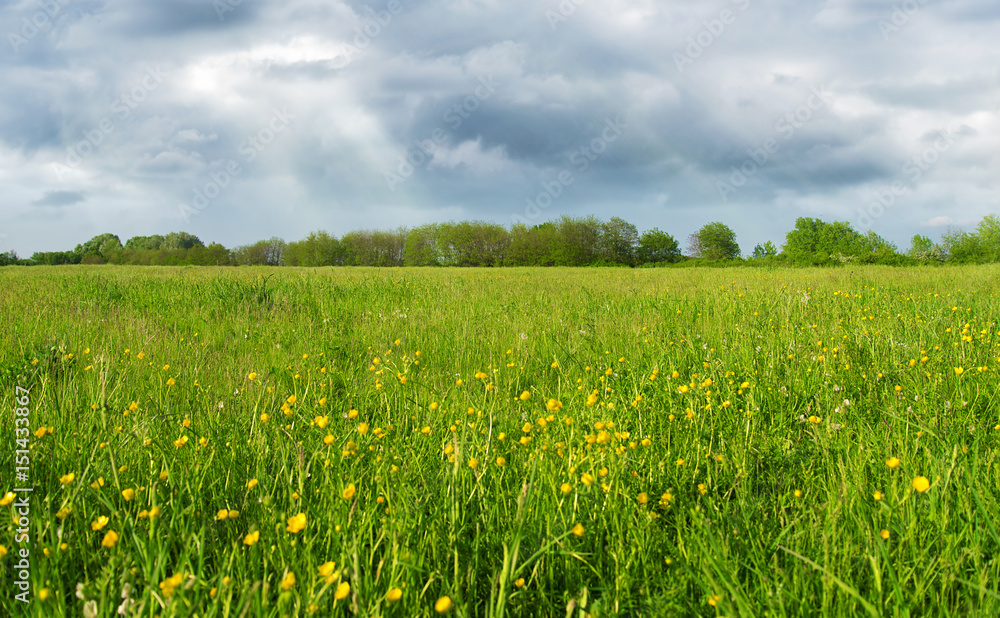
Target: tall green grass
(752, 493)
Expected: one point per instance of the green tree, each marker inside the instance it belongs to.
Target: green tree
(767, 251)
(96, 244)
(617, 242)
(656, 246)
(714, 241)
(180, 240)
(420, 248)
(144, 242)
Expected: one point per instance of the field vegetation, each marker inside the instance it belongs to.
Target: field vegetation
(503, 442)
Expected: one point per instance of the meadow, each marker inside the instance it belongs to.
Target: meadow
(502, 442)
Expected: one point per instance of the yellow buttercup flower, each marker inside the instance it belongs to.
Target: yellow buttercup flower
(393, 595)
(99, 523)
(66, 479)
(250, 539)
(296, 523)
(326, 569)
(578, 530)
(288, 582)
(443, 605)
(348, 492)
(892, 462)
(342, 591)
(921, 484)
(110, 539)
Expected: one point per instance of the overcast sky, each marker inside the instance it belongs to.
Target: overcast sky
(238, 120)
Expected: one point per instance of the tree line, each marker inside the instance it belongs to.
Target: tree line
(568, 241)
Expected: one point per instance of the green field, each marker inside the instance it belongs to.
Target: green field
(524, 442)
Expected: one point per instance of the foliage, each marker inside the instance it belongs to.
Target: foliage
(650, 442)
(714, 241)
(656, 246)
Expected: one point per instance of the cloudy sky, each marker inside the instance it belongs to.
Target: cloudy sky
(238, 120)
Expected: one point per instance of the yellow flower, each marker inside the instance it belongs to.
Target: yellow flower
(288, 581)
(164, 475)
(326, 569)
(643, 498)
(265, 417)
(66, 479)
(291, 399)
(566, 488)
(959, 371)
(892, 462)
(3, 551)
(501, 461)
(877, 496)
(921, 484)
(393, 595)
(128, 494)
(348, 492)
(99, 523)
(179, 442)
(342, 591)
(64, 512)
(473, 463)
(884, 534)
(443, 605)
(321, 421)
(251, 483)
(519, 582)
(251, 538)
(222, 514)
(296, 523)
(7, 498)
(169, 585)
(44, 594)
(578, 530)
(171, 382)
(110, 539)
(252, 376)
(525, 395)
